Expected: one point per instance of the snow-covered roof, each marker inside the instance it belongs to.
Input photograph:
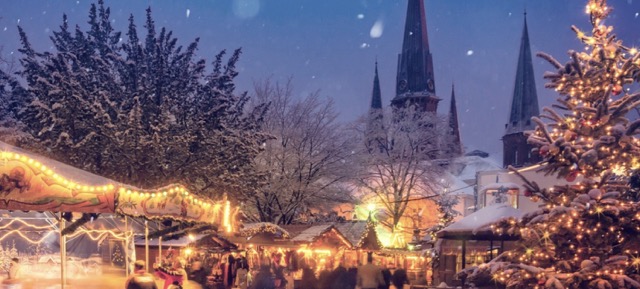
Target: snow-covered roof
(313, 232)
(474, 164)
(72, 173)
(180, 242)
(461, 175)
(480, 221)
(353, 230)
(250, 229)
(43, 184)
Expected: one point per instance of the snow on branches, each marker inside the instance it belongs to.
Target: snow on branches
(586, 234)
(140, 111)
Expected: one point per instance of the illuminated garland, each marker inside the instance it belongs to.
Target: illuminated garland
(264, 227)
(585, 234)
(101, 234)
(24, 237)
(25, 224)
(135, 193)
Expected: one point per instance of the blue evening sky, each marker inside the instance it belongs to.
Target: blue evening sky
(332, 45)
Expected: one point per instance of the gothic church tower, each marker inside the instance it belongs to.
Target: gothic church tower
(415, 82)
(524, 105)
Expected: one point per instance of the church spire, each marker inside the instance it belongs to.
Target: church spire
(454, 131)
(415, 79)
(524, 105)
(376, 96)
(375, 128)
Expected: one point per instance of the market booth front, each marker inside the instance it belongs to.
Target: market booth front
(68, 205)
(471, 242)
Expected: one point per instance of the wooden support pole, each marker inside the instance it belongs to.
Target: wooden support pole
(491, 249)
(126, 247)
(464, 253)
(63, 254)
(160, 251)
(146, 244)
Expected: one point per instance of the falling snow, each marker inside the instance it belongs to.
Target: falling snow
(188, 12)
(469, 52)
(361, 16)
(245, 9)
(376, 29)
(364, 45)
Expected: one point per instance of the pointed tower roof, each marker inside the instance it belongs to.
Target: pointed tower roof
(524, 103)
(415, 78)
(376, 96)
(454, 130)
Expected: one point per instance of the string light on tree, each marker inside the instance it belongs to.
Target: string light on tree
(586, 234)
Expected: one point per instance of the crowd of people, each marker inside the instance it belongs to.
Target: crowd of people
(368, 276)
(234, 272)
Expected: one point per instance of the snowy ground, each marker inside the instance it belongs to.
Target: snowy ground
(107, 280)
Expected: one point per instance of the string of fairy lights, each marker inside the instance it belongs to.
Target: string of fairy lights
(130, 192)
(585, 235)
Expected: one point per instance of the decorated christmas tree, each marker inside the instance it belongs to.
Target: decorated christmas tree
(117, 257)
(586, 235)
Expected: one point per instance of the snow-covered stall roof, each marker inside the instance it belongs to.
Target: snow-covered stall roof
(477, 225)
(352, 230)
(313, 233)
(361, 234)
(180, 242)
(250, 229)
(30, 182)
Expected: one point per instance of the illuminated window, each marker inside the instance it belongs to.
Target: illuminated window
(511, 195)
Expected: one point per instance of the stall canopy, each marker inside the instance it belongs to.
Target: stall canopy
(322, 235)
(214, 243)
(29, 182)
(477, 226)
(361, 234)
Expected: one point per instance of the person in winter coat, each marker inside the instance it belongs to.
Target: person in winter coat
(325, 279)
(242, 274)
(309, 280)
(340, 278)
(399, 278)
(386, 276)
(140, 279)
(263, 279)
(198, 274)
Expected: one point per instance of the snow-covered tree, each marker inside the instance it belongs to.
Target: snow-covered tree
(306, 161)
(586, 234)
(445, 203)
(140, 111)
(396, 164)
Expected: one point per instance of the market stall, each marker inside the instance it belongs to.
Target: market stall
(74, 199)
(364, 239)
(260, 241)
(470, 241)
